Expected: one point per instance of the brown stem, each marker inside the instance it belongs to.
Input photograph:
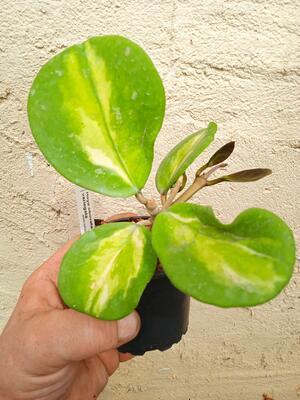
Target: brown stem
(150, 204)
(173, 192)
(140, 197)
(163, 199)
(201, 169)
(214, 169)
(198, 184)
(152, 207)
(145, 222)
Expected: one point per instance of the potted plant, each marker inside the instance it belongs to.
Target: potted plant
(95, 110)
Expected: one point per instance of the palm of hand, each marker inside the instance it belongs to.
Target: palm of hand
(51, 352)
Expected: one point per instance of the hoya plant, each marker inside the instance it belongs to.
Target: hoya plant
(95, 111)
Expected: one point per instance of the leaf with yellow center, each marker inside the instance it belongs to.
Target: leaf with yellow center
(244, 263)
(106, 271)
(95, 110)
(182, 156)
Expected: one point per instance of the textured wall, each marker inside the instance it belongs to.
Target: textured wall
(234, 61)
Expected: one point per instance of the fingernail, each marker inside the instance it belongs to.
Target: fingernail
(128, 327)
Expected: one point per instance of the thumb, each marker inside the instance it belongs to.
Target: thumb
(75, 336)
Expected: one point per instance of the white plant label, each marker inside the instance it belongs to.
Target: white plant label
(85, 210)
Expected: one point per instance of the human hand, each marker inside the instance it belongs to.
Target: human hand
(50, 352)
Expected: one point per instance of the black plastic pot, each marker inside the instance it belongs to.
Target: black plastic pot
(164, 313)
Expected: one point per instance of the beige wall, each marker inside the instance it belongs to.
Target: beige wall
(234, 61)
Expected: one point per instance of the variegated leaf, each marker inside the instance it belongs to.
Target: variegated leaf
(181, 157)
(106, 271)
(95, 110)
(245, 263)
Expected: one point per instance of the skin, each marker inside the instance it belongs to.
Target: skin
(51, 352)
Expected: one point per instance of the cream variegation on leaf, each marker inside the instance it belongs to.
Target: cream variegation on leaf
(95, 110)
(181, 157)
(105, 272)
(245, 263)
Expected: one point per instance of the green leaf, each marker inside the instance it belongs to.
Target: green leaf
(106, 271)
(244, 263)
(181, 157)
(95, 110)
(248, 175)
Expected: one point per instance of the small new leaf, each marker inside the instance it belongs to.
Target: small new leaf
(221, 155)
(248, 175)
(182, 156)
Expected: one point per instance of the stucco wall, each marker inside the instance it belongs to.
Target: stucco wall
(234, 61)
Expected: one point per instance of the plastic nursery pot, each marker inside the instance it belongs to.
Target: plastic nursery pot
(164, 310)
(164, 313)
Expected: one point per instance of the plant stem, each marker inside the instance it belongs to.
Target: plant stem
(201, 169)
(146, 222)
(150, 204)
(173, 192)
(214, 169)
(198, 184)
(163, 199)
(140, 197)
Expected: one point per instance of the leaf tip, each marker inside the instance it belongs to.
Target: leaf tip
(231, 145)
(268, 171)
(212, 127)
